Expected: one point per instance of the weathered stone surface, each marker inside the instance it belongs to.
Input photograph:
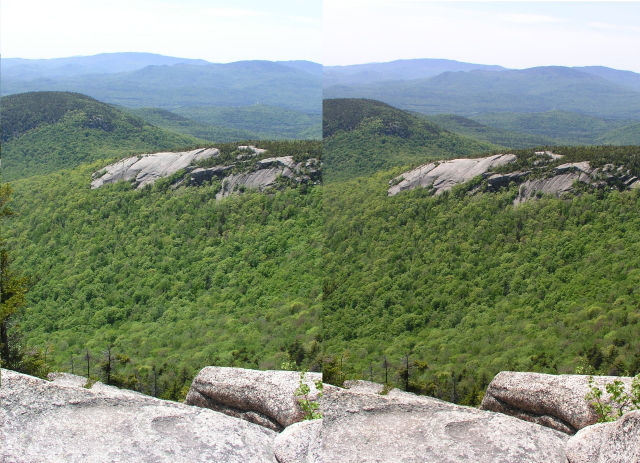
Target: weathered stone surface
(45, 422)
(497, 181)
(556, 401)
(69, 380)
(285, 161)
(299, 443)
(258, 180)
(199, 176)
(363, 387)
(445, 175)
(147, 168)
(617, 442)
(372, 428)
(262, 397)
(556, 185)
(367, 387)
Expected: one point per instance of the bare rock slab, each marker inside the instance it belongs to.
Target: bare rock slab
(362, 427)
(556, 401)
(299, 443)
(46, 422)
(617, 442)
(266, 398)
(147, 168)
(444, 175)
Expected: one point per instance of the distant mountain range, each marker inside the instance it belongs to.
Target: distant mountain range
(171, 83)
(111, 63)
(529, 90)
(411, 69)
(404, 69)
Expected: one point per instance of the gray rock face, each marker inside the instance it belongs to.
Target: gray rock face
(267, 173)
(445, 175)
(299, 443)
(266, 398)
(372, 428)
(199, 176)
(556, 185)
(617, 442)
(69, 380)
(47, 422)
(147, 168)
(497, 181)
(555, 401)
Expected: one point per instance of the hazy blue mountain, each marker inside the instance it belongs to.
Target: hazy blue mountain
(268, 120)
(404, 69)
(627, 78)
(104, 63)
(307, 66)
(572, 128)
(529, 90)
(242, 83)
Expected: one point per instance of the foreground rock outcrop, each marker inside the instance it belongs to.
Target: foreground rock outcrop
(47, 422)
(300, 443)
(555, 401)
(266, 398)
(617, 442)
(367, 427)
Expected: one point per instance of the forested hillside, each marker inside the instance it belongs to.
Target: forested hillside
(473, 129)
(272, 122)
(444, 291)
(570, 127)
(361, 137)
(177, 123)
(168, 279)
(46, 131)
(627, 135)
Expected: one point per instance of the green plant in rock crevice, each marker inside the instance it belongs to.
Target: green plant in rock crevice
(310, 406)
(626, 401)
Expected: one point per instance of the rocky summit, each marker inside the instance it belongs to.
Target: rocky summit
(442, 176)
(44, 421)
(147, 168)
(556, 181)
(67, 419)
(556, 401)
(245, 173)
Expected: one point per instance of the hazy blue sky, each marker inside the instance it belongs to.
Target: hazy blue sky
(215, 30)
(511, 34)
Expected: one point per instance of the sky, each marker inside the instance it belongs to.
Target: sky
(514, 34)
(508, 33)
(219, 31)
